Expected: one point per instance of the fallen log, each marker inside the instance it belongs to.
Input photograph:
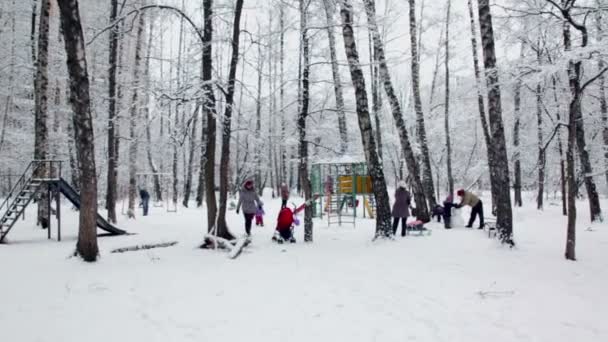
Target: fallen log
(234, 247)
(143, 247)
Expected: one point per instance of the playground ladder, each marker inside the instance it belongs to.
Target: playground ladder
(22, 193)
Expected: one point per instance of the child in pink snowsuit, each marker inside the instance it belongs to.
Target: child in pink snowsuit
(259, 217)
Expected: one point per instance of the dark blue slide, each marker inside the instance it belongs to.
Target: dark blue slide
(73, 196)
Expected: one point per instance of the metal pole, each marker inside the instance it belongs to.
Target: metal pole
(49, 198)
(58, 214)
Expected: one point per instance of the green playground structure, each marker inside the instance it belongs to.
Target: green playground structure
(337, 184)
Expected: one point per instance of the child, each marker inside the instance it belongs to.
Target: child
(259, 217)
(438, 212)
(448, 204)
(284, 229)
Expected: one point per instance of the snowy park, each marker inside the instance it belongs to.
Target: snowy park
(304, 170)
(452, 285)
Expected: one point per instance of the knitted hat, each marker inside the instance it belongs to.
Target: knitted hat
(401, 184)
(460, 192)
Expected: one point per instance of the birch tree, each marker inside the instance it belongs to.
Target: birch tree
(41, 83)
(330, 9)
(427, 175)
(376, 172)
(412, 164)
(303, 114)
(86, 246)
(112, 172)
(134, 118)
(498, 150)
(448, 143)
(222, 229)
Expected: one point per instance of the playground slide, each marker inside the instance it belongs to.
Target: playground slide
(74, 197)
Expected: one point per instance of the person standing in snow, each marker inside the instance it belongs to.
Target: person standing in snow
(401, 207)
(448, 204)
(145, 200)
(284, 195)
(250, 201)
(470, 199)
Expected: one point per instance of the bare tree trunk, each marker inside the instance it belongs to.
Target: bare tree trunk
(575, 76)
(427, 176)
(448, 144)
(222, 228)
(111, 182)
(383, 217)
(335, 69)
(575, 106)
(158, 194)
(516, 148)
(258, 125)
(178, 113)
(412, 164)
(282, 91)
(498, 149)
(305, 98)
(33, 36)
(480, 102)
(376, 94)
(562, 162)
(210, 111)
(41, 141)
(188, 182)
(134, 118)
(541, 150)
(602, 92)
(11, 80)
(83, 127)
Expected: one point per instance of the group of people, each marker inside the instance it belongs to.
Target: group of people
(252, 205)
(402, 205)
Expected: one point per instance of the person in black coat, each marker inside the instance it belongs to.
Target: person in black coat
(448, 204)
(401, 207)
(145, 199)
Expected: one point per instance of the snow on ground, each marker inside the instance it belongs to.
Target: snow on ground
(454, 285)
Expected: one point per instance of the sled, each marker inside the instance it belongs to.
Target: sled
(418, 228)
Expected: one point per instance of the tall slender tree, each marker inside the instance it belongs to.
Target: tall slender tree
(302, 116)
(498, 150)
(111, 180)
(480, 99)
(41, 83)
(383, 217)
(86, 246)
(448, 143)
(412, 163)
(222, 228)
(210, 111)
(330, 9)
(427, 175)
(577, 88)
(134, 117)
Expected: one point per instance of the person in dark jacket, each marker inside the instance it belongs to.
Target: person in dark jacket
(448, 204)
(250, 201)
(470, 199)
(401, 207)
(145, 199)
(437, 212)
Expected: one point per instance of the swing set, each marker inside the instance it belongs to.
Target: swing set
(161, 193)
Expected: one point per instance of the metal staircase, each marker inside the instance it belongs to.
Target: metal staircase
(43, 176)
(22, 193)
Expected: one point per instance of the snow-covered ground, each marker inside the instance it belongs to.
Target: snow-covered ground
(452, 286)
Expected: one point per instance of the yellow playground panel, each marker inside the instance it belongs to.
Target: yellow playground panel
(340, 183)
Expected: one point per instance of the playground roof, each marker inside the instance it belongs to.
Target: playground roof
(341, 160)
